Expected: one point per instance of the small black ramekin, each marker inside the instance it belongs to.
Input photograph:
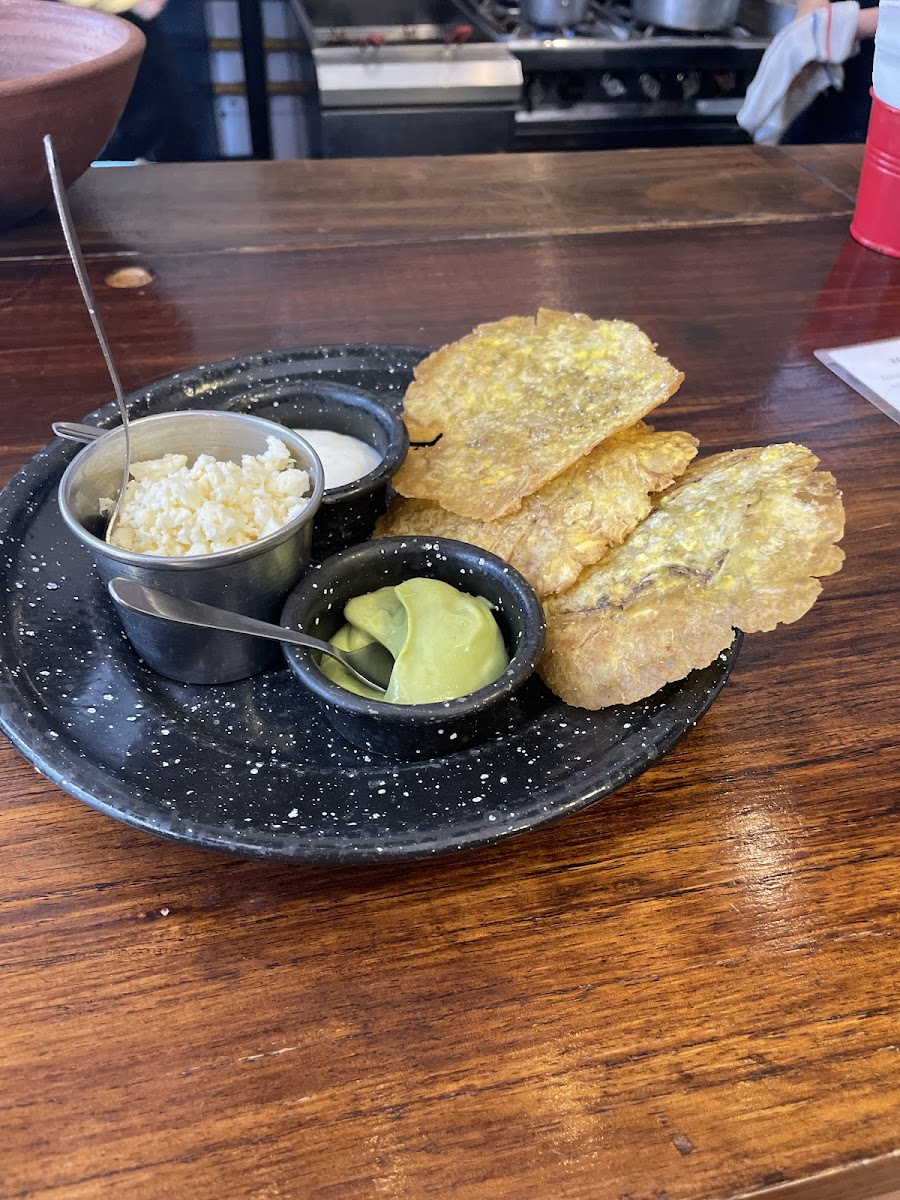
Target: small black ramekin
(411, 731)
(347, 514)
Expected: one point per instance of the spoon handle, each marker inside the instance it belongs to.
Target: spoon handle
(68, 228)
(152, 603)
(73, 431)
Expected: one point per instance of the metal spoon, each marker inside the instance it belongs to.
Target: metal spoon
(73, 431)
(68, 228)
(372, 664)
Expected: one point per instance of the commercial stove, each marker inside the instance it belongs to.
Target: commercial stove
(612, 81)
(464, 76)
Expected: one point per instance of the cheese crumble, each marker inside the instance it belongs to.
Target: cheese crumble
(174, 510)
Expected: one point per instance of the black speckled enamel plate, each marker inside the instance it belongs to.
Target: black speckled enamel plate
(253, 768)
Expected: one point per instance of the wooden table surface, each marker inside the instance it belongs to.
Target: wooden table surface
(687, 992)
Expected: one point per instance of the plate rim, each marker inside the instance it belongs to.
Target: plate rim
(395, 849)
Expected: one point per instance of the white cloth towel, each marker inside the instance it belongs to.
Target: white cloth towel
(803, 60)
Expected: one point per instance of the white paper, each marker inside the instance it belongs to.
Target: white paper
(872, 369)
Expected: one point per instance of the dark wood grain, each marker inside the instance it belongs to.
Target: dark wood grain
(742, 330)
(248, 206)
(688, 992)
(838, 166)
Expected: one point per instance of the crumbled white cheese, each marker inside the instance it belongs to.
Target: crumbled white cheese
(172, 509)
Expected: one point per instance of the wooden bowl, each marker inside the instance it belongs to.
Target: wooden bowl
(64, 71)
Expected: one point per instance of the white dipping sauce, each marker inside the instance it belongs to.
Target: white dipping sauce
(344, 458)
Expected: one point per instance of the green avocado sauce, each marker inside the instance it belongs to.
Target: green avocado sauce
(445, 643)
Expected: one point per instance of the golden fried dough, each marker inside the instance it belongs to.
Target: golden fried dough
(518, 401)
(737, 542)
(573, 520)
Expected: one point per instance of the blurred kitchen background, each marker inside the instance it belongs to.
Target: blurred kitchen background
(348, 78)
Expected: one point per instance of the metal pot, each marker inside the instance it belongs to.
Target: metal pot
(553, 14)
(765, 18)
(693, 16)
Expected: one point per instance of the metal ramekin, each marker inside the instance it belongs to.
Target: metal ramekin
(252, 579)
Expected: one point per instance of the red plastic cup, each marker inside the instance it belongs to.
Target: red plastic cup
(876, 222)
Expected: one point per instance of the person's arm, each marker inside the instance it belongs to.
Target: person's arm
(867, 23)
